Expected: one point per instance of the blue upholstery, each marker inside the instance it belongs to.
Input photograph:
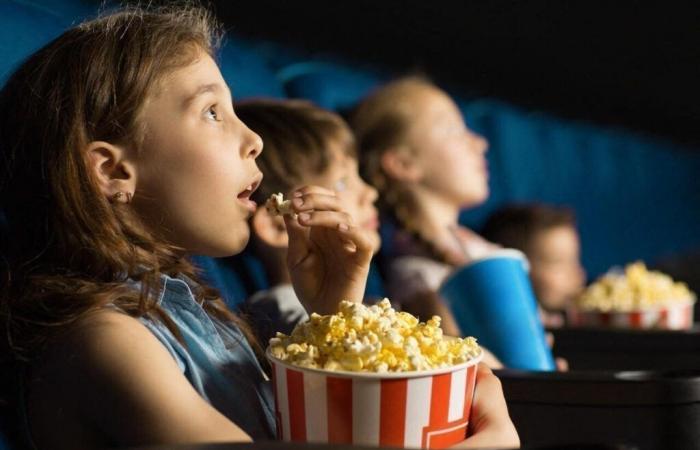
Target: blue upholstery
(247, 74)
(329, 85)
(224, 278)
(25, 28)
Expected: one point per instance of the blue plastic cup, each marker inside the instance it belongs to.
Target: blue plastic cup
(492, 300)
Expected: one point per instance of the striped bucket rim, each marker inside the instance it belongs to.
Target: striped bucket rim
(377, 375)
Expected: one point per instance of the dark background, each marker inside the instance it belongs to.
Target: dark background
(634, 64)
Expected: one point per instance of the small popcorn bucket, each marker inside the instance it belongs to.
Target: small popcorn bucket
(422, 409)
(677, 316)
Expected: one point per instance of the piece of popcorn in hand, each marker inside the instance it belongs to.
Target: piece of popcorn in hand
(278, 206)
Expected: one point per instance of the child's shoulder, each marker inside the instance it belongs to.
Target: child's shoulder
(102, 341)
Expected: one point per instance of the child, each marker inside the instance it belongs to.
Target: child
(548, 237)
(121, 154)
(427, 165)
(304, 144)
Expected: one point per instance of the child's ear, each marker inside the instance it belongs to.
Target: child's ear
(270, 229)
(112, 169)
(401, 165)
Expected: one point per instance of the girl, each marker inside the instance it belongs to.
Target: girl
(121, 155)
(427, 165)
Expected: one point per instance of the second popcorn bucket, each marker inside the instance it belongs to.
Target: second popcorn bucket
(375, 377)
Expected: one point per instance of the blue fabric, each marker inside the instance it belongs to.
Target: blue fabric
(329, 85)
(24, 28)
(375, 284)
(247, 74)
(216, 359)
(224, 278)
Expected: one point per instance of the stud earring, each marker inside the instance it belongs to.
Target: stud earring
(119, 197)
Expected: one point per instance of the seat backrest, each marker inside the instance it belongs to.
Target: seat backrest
(24, 28)
(620, 349)
(329, 85)
(650, 410)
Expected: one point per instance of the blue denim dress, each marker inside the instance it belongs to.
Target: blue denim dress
(217, 360)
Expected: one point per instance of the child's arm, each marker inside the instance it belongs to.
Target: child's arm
(110, 372)
(328, 256)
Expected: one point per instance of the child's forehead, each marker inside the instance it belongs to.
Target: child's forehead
(200, 76)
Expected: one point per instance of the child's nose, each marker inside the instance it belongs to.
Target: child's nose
(371, 193)
(253, 145)
(480, 143)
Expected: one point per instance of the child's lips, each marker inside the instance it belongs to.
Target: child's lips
(244, 196)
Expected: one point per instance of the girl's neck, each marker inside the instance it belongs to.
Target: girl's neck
(435, 216)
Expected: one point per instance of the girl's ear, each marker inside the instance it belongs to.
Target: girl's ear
(112, 169)
(270, 229)
(400, 165)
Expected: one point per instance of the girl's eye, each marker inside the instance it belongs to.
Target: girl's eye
(212, 114)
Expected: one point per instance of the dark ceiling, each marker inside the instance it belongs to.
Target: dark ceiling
(635, 64)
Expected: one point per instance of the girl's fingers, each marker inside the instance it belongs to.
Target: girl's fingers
(352, 238)
(327, 219)
(316, 201)
(298, 247)
(310, 190)
(357, 240)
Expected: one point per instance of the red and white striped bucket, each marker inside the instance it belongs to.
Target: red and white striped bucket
(678, 316)
(428, 409)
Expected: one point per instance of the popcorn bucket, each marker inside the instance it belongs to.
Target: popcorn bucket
(677, 316)
(428, 409)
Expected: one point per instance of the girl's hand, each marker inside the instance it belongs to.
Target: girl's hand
(490, 423)
(328, 256)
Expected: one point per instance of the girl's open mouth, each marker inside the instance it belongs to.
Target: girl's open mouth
(244, 196)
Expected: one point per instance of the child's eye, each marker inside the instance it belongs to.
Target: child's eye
(212, 114)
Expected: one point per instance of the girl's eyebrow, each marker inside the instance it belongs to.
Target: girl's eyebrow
(203, 89)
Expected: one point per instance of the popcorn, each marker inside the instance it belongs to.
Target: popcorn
(373, 338)
(278, 206)
(635, 289)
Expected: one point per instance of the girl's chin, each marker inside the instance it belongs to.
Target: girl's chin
(475, 199)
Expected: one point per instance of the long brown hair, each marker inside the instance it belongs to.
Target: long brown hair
(69, 250)
(381, 122)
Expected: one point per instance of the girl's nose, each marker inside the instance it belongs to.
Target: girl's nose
(253, 145)
(371, 193)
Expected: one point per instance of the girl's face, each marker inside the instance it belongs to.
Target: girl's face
(357, 197)
(196, 168)
(451, 157)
